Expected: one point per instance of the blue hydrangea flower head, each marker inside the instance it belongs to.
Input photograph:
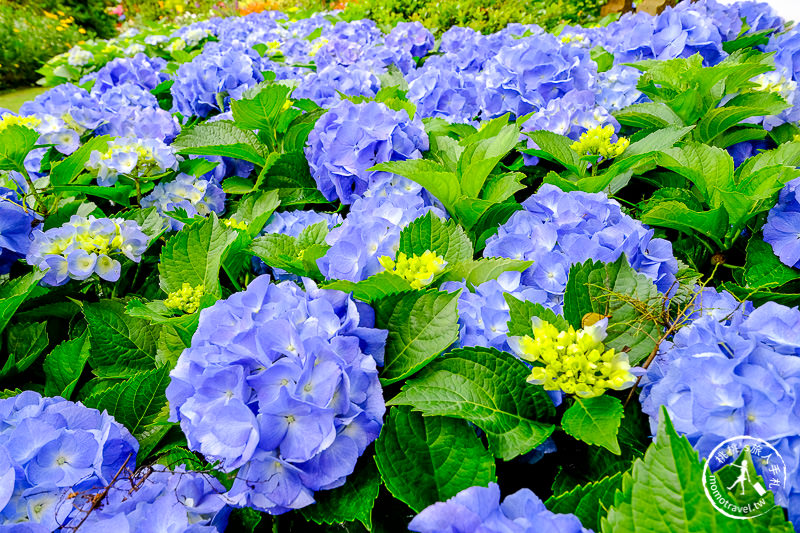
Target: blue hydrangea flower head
(736, 375)
(224, 70)
(181, 500)
(480, 509)
(483, 315)
(16, 224)
(372, 228)
(131, 157)
(439, 89)
(291, 377)
(558, 229)
(85, 246)
(529, 72)
(50, 447)
(351, 138)
(138, 70)
(196, 196)
(324, 86)
(783, 225)
(412, 37)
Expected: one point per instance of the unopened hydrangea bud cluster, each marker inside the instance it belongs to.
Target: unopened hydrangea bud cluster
(281, 384)
(597, 141)
(575, 362)
(136, 158)
(186, 299)
(418, 270)
(194, 195)
(85, 246)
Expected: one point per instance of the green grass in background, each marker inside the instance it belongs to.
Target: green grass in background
(15, 98)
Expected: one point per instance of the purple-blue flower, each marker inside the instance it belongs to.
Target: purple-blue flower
(479, 509)
(50, 447)
(281, 384)
(196, 196)
(559, 229)
(16, 224)
(351, 138)
(732, 375)
(782, 230)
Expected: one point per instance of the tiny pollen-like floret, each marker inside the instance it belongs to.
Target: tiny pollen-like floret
(418, 270)
(597, 141)
(575, 362)
(186, 299)
(11, 120)
(234, 224)
(796, 138)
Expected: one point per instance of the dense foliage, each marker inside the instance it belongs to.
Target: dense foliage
(267, 274)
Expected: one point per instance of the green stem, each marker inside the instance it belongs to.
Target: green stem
(232, 278)
(39, 203)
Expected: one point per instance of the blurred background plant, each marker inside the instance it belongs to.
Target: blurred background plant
(32, 34)
(485, 16)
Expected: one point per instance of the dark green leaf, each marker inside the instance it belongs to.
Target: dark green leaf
(489, 389)
(424, 460)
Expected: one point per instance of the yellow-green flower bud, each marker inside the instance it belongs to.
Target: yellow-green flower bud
(575, 362)
(418, 270)
(186, 299)
(234, 224)
(597, 141)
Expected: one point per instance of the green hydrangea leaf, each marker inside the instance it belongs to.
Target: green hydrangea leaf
(14, 292)
(195, 254)
(350, 502)
(489, 389)
(523, 311)
(421, 326)
(590, 502)
(424, 460)
(595, 421)
(429, 232)
(135, 402)
(255, 209)
(223, 138)
(120, 344)
(64, 366)
(663, 493)
(373, 288)
(630, 300)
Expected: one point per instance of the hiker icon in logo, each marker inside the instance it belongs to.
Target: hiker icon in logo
(731, 477)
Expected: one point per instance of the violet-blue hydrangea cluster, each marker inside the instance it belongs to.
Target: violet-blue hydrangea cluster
(325, 85)
(351, 138)
(441, 90)
(479, 509)
(178, 500)
(292, 223)
(783, 225)
(372, 228)
(49, 448)
(219, 74)
(281, 384)
(523, 77)
(146, 72)
(412, 37)
(483, 315)
(16, 224)
(558, 229)
(132, 157)
(85, 246)
(196, 196)
(731, 375)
